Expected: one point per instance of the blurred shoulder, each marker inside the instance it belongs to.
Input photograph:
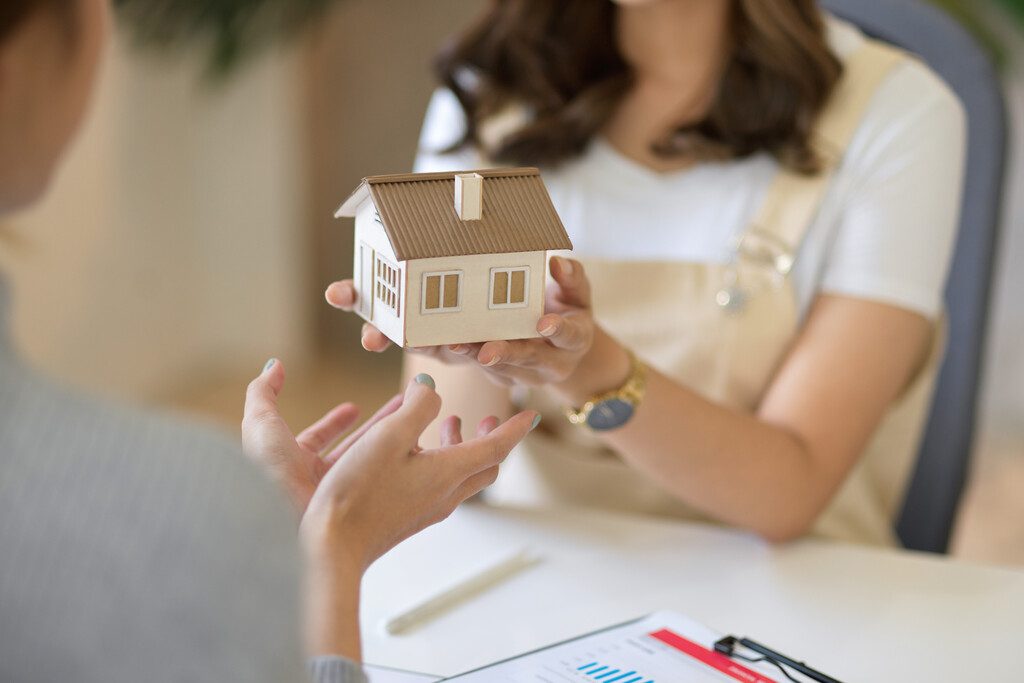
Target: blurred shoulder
(912, 108)
(153, 532)
(911, 86)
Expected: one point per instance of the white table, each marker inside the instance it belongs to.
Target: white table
(860, 614)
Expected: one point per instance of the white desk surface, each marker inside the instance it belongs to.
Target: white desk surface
(859, 614)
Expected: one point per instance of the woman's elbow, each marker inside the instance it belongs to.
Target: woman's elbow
(780, 535)
(782, 529)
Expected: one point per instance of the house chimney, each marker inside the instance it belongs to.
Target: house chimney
(469, 196)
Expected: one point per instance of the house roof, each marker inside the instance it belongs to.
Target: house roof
(419, 217)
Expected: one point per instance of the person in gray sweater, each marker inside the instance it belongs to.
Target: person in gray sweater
(136, 547)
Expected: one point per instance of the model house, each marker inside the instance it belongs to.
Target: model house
(448, 258)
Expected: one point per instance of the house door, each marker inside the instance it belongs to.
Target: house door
(365, 280)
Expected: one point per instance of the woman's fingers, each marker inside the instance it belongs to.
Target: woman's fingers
(387, 409)
(491, 450)
(324, 431)
(451, 353)
(373, 339)
(261, 394)
(569, 332)
(573, 285)
(487, 425)
(341, 295)
(268, 441)
(451, 431)
(495, 352)
(420, 406)
(464, 350)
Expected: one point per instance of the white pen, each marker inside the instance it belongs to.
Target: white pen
(461, 591)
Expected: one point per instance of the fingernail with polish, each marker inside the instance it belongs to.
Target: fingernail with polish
(270, 364)
(536, 421)
(424, 378)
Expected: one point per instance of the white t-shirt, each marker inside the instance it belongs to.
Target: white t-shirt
(884, 231)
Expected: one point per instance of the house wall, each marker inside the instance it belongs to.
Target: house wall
(475, 322)
(369, 232)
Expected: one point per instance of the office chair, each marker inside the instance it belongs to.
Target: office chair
(933, 495)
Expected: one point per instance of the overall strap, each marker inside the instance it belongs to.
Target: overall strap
(792, 200)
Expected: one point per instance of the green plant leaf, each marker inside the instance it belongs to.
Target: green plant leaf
(230, 31)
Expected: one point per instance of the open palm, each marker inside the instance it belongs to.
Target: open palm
(298, 463)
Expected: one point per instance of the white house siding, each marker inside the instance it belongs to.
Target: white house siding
(475, 321)
(371, 233)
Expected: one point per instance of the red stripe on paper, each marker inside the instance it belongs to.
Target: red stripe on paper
(713, 659)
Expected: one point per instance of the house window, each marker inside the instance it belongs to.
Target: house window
(442, 291)
(509, 287)
(385, 288)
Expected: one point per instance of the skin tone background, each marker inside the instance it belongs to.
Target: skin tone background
(850, 361)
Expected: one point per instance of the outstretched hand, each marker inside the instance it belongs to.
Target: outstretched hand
(298, 463)
(374, 489)
(377, 486)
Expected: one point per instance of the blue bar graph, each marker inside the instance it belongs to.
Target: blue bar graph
(605, 674)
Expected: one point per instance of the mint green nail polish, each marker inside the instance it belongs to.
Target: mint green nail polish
(424, 378)
(536, 421)
(270, 364)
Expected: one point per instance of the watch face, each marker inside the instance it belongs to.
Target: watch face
(610, 414)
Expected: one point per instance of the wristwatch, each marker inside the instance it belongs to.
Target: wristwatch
(615, 408)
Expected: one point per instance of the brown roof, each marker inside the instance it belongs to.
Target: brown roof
(418, 213)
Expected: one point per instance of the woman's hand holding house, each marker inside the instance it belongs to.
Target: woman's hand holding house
(573, 354)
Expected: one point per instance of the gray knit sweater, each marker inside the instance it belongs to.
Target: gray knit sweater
(134, 547)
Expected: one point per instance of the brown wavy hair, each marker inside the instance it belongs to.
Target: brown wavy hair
(561, 60)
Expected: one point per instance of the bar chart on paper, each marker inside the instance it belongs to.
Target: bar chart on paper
(597, 671)
(661, 648)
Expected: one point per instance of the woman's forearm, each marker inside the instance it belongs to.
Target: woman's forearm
(730, 465)
(773, 471)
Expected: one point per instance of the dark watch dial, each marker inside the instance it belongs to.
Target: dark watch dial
(610, 414)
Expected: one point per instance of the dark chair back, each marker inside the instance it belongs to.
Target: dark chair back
(932, 498)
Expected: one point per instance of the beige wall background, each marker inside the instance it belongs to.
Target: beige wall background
(172, 243)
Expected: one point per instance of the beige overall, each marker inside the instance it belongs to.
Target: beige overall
(723, 330)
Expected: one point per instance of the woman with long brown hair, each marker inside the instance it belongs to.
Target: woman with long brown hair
(762, 203)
